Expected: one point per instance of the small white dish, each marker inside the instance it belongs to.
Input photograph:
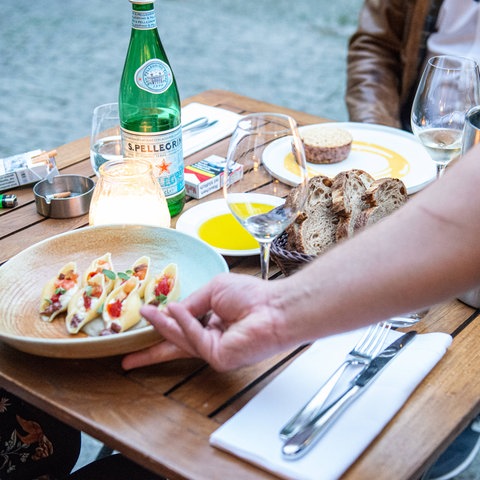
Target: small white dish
(197, 218)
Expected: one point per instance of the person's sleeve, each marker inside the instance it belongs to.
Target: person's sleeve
(374, 63)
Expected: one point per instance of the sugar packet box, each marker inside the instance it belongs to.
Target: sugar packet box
(207, 176)
(26, 168)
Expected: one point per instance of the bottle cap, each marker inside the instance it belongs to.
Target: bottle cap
(142, 1)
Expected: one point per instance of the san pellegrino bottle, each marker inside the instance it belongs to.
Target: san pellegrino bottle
(149, 105)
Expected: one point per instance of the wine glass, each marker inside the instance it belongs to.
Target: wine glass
(257, 201)
(449, 87)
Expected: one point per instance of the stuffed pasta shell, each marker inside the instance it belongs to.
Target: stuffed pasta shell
(122, 307)
(141, 270)
(103, 265)
(86, 304)
(163, 288)
(58, 292)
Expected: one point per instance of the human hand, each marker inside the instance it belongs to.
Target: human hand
(239, 325)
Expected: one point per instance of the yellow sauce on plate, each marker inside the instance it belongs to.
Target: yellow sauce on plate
(398, 166)
(225, 232)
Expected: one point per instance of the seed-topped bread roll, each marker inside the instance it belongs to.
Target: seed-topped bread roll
(326, 144)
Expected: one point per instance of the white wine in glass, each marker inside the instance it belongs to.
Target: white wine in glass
(257, 201)
(449, 87)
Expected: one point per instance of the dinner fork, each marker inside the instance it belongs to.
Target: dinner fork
(362, 353)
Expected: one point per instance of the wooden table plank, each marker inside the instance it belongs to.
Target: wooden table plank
(240, 104)
(208, 391)
(46, 228)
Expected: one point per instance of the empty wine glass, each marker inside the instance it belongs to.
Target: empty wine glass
(449, 87)
(257, 201)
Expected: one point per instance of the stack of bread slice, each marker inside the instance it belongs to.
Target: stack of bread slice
(337, 208)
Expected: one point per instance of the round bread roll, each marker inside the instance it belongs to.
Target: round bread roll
(326, 144)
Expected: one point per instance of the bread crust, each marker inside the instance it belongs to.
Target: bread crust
(324, 145)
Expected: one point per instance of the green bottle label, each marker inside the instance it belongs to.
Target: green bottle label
(165, 152)
(144, 20)
(154, 76)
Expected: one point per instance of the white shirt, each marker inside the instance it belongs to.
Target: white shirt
(458, 33)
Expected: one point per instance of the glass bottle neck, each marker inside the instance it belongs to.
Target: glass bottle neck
(143, 6)
(143, 16)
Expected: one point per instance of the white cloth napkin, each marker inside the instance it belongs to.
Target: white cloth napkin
(253, 433)
(196, 140)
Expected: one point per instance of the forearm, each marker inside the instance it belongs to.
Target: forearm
(424, 253)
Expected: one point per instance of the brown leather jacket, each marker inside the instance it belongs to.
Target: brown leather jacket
(385, 59)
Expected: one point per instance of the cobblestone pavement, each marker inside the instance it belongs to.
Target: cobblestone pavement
(58, 60)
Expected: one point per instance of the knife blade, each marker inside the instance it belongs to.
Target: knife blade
(301, 442)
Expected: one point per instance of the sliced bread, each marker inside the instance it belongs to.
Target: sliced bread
(383, 196)
(338, 208)
(348, 191)
(314, 229)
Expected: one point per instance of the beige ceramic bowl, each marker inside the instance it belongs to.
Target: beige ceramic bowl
(24, 276)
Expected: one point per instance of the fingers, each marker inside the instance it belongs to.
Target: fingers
(167, 326)
(181, 338)
(199, 303)
(161, 352)
(202, 340)
(182, 325)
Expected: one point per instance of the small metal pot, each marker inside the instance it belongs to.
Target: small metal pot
(64, 196)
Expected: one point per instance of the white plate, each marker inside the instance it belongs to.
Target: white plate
(23, 277)
(379, 150)
(191, 221)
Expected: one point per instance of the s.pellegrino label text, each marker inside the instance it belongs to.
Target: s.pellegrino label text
(164, 150)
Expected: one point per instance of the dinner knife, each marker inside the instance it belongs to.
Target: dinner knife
(198, 124)
(300, 443)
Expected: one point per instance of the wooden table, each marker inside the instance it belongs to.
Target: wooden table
(161, 416)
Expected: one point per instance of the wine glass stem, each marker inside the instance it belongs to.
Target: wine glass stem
(265, 258)
(440, 169)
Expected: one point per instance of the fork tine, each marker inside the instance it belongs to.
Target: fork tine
(381, 338)
(365, 339)
(373, 339)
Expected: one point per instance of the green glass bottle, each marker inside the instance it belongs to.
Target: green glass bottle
(149, 105)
